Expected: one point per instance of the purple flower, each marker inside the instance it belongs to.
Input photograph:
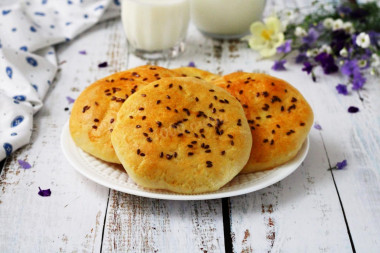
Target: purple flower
(374, 37)
(358, 81)
(70, 100)
(344, 10)
(327, 62)
(307, 67)
(285, 48)
(83, 52)
(317, 126)
(311, 37)
(24, 164)
(353, 109)
(279, 65)
(44, 193)
(342, 89)
(350, 67)
(103, 64)
(301, 58)
(341, 165)
(191, 64)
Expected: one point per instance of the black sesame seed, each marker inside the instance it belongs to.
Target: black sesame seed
(265, 107)
(221, 110)
(241, 91)
(158, 101)
(223, 152)
(230, 136)
(111, 130)
(302, 124)
(196, 135)
(159, 123)
(190, 153)
(208, 164)
(138, 151)
(143, 117)
(150, 129)
(210, 105)
(143, 95)
(94, 127)
(201, 130)
(269, 116)
(211, 90)
(196, 99)
(156, 85)
(273, 131)
(168, 108)
(190, 146)
(272, 84)
(194, 142)
(180, 87)
(180, 135)
(208, 124)
(265, 140)
(175, 154)
(167, 96)
(278, 126)
(245, 105)
(85, 108)
(208, 151)
(265, 94)
(130, 116)
(141, 109)
(271, 142)
(253, 128)
(138, 126)
(213, 110)
(282, 108)
(203, 136)
(66, 108)
(112, 120)
(232, 143)
(142, 154)
(239, 122)
(162, 154)
(170, 85)
(96, 120)
(187, 131)
(215, 97)
(169, 156)
(145, 134)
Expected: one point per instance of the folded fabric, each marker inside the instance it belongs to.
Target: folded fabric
(28, 64)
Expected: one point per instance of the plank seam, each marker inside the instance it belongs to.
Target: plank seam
(105, 220)
(340, 200)
(227, 225)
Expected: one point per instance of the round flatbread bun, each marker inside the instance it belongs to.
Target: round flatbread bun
(279, 117)
(182, 134)
(94, 112)
(197, 73)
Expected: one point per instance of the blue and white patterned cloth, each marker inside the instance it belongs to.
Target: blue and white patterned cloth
(28, 29)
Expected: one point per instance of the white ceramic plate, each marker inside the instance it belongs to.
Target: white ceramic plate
(114, 176)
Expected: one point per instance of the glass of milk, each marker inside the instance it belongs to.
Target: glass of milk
(155, 29)
(225, 19)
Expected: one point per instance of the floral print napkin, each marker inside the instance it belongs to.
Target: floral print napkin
(28, 31)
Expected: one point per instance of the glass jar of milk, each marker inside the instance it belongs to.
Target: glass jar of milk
(225, 18)
(155, 28)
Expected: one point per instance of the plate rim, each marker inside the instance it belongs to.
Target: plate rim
(73, 160)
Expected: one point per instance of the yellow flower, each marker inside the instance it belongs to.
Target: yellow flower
(267, 36)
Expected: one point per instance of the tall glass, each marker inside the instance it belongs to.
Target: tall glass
(155, 28)
(226, 18)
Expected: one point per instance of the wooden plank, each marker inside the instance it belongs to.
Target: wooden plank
(71, 219)
(135, 224)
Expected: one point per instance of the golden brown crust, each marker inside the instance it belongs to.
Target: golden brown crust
(182, 134)
(279, 116)
(197, 73)
(94, 111)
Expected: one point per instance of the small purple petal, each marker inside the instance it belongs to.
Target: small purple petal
(83, 52)
(24, 164)
(311, 37)
(342, 89)
(103, 64)
(301, 58)
(191, 64)
(279, 65)
(317, 126)
(341, 165)
(70, 100)
(353, 109)
(285, 48)
(44, 193)
(307, 67)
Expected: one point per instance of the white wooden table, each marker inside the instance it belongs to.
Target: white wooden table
(312, 210)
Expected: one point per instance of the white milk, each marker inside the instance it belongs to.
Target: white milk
(154, 25)
(226, 17)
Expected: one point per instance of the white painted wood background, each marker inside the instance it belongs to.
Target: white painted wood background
(312, 210)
